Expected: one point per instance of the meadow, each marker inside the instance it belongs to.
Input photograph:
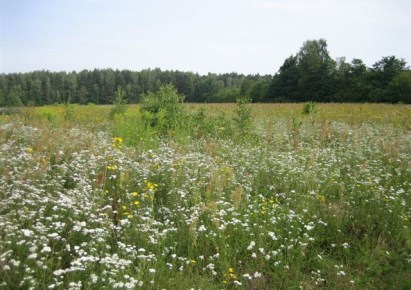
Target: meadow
(247, 196)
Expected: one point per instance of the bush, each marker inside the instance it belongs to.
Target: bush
(309, 108)
(163, 109)
(242, 116)
(68, 111)
(119, 104)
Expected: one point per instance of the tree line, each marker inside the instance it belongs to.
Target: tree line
(309, 75)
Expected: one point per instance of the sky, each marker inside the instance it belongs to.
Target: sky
(219, 36)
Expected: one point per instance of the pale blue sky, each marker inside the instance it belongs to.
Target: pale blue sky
(245, 36)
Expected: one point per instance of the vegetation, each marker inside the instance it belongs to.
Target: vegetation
(316, 200)
(163, 110)
(242, 118)
(120, 103)
(310, 75)
(308, 108)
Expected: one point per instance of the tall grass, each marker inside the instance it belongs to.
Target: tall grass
(319, 200)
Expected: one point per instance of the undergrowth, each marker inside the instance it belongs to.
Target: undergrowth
(205, 197)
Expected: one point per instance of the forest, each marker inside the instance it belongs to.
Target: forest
(309, 75)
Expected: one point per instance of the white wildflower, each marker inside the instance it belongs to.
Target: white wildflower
(46, 249)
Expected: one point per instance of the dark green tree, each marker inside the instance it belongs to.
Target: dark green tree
(259, 91)
(284, 85)
(341, 81)
(315, 69)
(3, 89)
(14, 97)
(388, 68)
(381, 75)
(399, 89)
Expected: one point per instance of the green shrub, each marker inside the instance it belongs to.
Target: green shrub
(309, 108)
(242, 118)
(163, 109)
(48, 113)
(120, 103)
(68, 111)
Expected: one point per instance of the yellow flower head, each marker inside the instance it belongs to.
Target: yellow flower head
(135, 193)
(148, 196)
(321, 198)
(137, 203)
(111, 167)
(117, 142)
(231, 273)
(150, 185)
(29, 150)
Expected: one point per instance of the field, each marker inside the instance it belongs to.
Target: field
(258, 196)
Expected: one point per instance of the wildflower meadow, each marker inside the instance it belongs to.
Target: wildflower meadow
(231, 196)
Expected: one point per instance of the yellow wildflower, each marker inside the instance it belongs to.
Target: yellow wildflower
(117, 142)
(321, 198)
(128, 214)
(147, 196)
(150, 185)
(29, 150)
(111, 167)
(135, 193)
(231, 273)
(137, 203)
